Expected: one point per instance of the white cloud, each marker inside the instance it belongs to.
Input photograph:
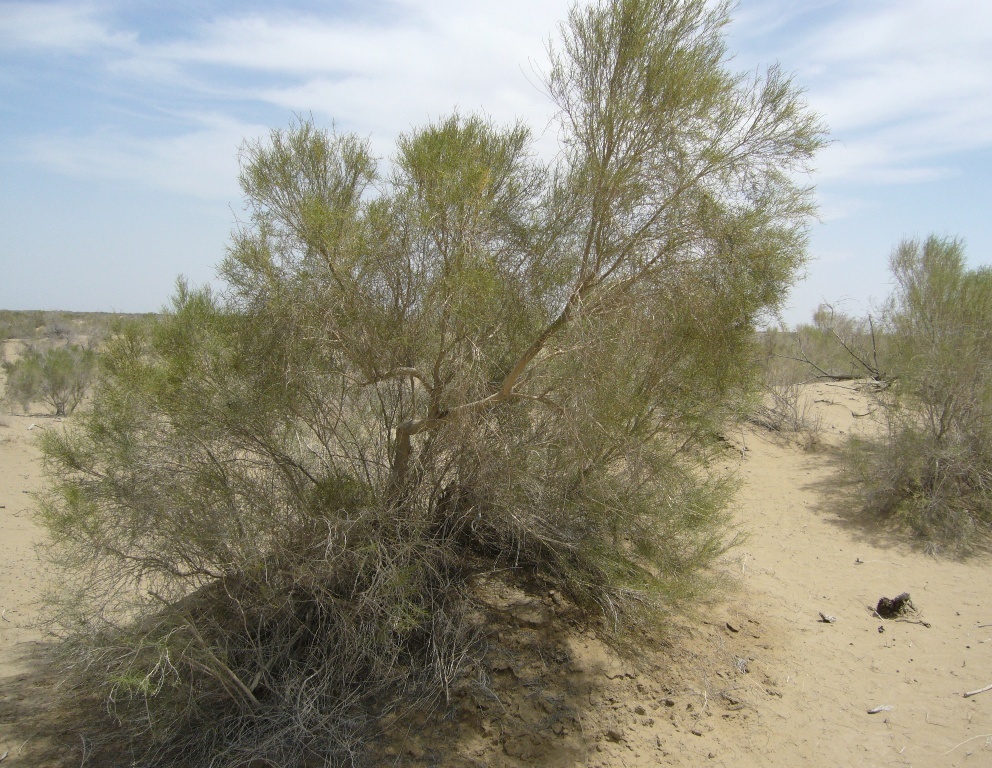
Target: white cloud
(440, 39)
(836, 208)
(903, 84)
(297, 47)
(71, 27)
(910, 30)
(377, 77)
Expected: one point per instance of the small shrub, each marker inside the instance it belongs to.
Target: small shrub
(59, 377)
(58, 326)
(784, 406)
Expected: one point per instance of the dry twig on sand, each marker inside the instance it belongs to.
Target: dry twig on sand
(985, 736)
(980, 690)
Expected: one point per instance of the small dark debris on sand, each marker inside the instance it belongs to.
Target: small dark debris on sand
(894, 607)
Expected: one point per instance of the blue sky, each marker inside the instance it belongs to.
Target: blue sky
(120, 122)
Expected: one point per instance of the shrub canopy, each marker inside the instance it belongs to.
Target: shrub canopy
(467, 360)
(58, 377)
(933, 466)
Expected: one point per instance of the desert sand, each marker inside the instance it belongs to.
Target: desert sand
(26, 688)
(753, 677)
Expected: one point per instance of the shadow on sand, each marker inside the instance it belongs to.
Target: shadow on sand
(32, 732)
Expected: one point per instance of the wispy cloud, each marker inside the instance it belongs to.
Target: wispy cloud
(378, 74)
(903, 84)
(66, 27)
(200, 162)
(299, 47)
(425, 59)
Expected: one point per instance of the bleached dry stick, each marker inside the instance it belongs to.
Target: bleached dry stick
(880, 708)
(985, 736)
(980, 690)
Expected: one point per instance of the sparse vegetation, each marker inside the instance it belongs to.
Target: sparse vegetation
(932, 466)
(37, 327)
(24, 324)
(834, 347)
(271, 518)
(839, 347)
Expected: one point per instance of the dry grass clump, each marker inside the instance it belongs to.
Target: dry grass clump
(787, 410)
(292, 663)
(784, 407)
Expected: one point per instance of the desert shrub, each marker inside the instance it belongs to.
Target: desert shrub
(840, 347)
(58, 326)
(834, 347)
(932, 464)
(22, 324)
(270, 517)
(59, 377)
(775, 355)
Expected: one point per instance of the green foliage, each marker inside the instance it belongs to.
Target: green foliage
(59, 377)
(933, 464)
(472, 362)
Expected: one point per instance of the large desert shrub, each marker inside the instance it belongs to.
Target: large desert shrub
(58, 376)
(933, 464)
(468, 362)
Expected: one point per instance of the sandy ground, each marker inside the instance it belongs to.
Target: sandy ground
(21, 580)
(756, 679)
(25, 686)
(809, 553)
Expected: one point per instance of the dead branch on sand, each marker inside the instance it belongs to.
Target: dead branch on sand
(980, 690)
